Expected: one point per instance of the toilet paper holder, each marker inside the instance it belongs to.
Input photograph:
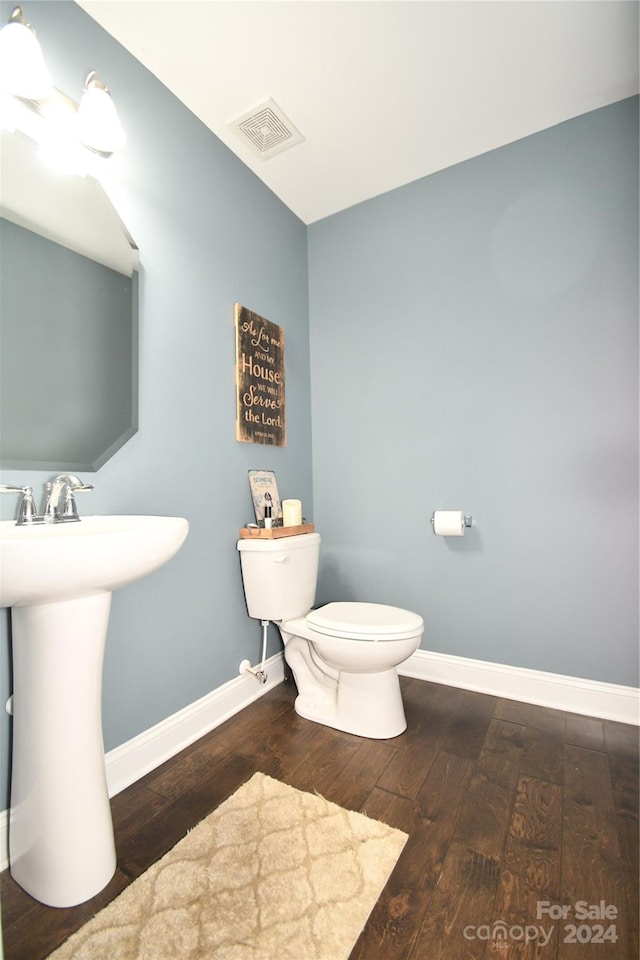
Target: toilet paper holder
(468, 521)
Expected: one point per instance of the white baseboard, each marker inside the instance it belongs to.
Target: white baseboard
(133, 759)
(138, 756)
(608, 701)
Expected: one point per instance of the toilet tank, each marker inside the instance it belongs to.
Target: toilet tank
(280, 575)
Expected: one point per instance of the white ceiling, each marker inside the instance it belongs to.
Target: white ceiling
(383, 92)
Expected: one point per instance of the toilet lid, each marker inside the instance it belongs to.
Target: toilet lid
(365, 621)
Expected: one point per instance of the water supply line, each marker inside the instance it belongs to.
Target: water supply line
(258, 672)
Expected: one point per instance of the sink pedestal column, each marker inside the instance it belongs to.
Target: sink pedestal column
(61, 846)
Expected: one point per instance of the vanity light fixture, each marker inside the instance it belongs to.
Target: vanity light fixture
(31, 103)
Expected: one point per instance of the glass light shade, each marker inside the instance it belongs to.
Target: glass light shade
(23, 72)
(98, 124)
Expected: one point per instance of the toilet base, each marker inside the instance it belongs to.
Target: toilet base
(367, 705)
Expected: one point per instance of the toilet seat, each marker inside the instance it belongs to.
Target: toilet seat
(371, 622)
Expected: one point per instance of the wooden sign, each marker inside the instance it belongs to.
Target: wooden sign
(260, 416)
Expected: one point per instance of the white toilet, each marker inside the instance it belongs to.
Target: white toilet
(343, 655)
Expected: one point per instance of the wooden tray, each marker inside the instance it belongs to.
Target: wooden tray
(259, 533)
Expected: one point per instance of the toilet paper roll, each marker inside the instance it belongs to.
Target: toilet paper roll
(448, 523)
(291, 513)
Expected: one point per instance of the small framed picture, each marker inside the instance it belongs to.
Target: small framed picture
(264, 493)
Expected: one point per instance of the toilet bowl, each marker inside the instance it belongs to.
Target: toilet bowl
(343, 655)
(357, 647)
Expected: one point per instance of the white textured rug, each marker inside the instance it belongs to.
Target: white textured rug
(272, 874)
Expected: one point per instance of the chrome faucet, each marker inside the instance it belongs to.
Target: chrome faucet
(71, 485)
(27, 512)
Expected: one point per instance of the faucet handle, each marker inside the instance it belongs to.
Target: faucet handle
(75, 483)
(27, 512)
(70, 508)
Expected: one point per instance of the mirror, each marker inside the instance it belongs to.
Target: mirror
(68, 317)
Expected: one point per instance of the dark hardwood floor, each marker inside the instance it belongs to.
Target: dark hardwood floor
(514, 813)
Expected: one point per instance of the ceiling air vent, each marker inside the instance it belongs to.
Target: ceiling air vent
(266, 130)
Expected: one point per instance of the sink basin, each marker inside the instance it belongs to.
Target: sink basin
(58, 580)
(47, 563)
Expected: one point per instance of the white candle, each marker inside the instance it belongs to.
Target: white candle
(291, 513)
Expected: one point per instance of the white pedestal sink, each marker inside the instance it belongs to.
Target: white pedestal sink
(58, 579)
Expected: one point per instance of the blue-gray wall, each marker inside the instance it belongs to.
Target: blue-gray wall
(475, 336)
(210, 234)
